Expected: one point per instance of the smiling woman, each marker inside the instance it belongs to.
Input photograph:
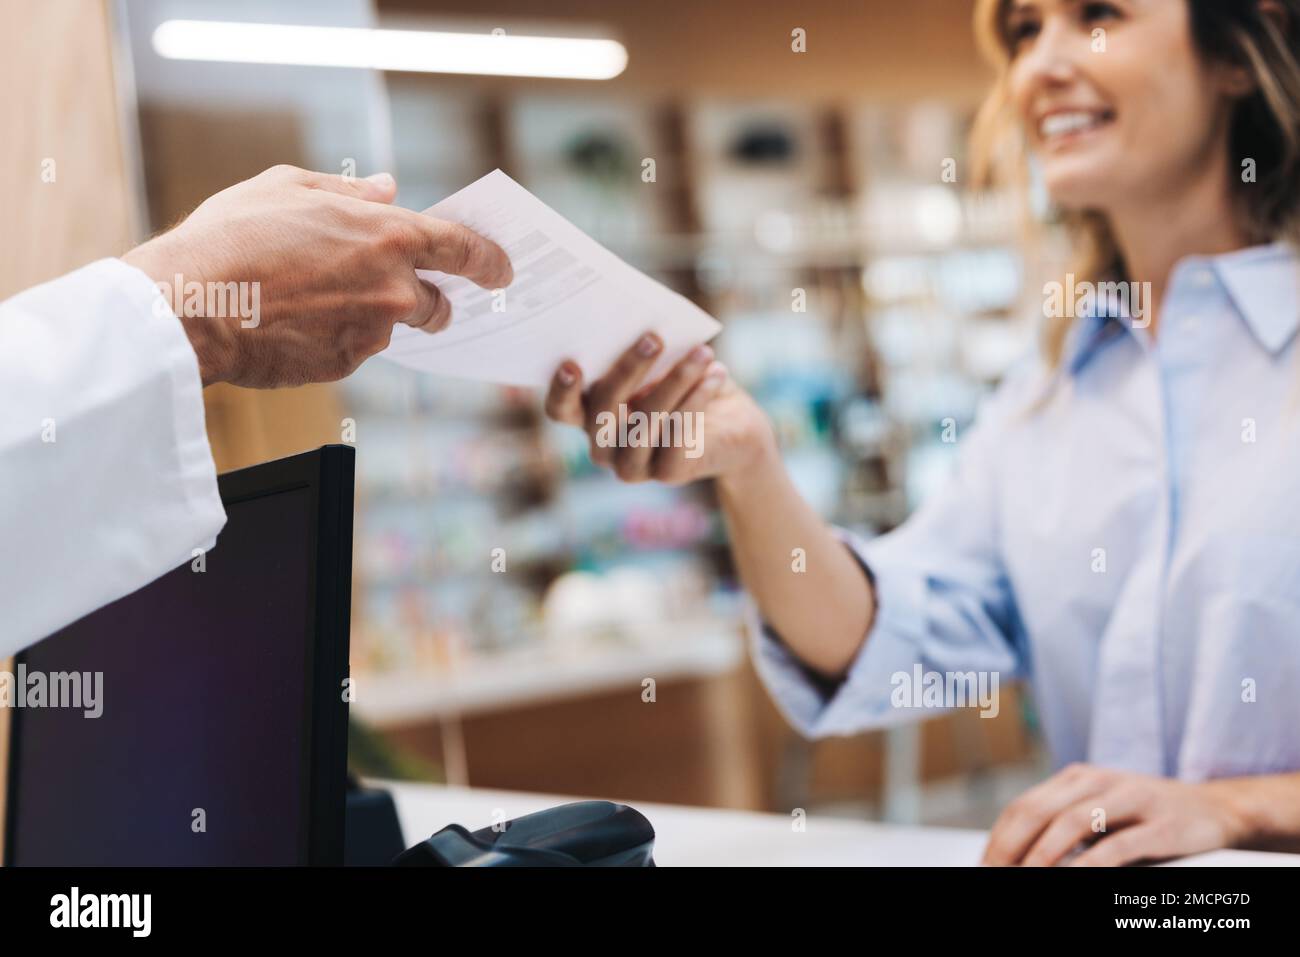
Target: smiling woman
(1091, 538)
(1128, 102)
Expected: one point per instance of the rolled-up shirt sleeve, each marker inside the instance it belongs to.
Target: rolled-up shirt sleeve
(106, 475)
(943, 604)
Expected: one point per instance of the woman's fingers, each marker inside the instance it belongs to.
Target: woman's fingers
(1025, 818)
(660, 422)
(1082, 821)
(1062, 835)
(564, 398)
(1137, 843)
(627, 373)
(675, 466)
(672, 388)
(641, 432)
(613, 389)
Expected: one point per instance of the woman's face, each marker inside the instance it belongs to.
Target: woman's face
(1116, 103)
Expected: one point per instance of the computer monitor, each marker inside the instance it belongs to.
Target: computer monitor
(222, 737)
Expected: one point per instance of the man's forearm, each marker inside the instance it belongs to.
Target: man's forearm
(806, 584)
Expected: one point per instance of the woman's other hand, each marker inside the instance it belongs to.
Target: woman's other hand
(1117, 817)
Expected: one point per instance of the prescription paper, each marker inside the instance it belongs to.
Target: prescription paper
(570, 299)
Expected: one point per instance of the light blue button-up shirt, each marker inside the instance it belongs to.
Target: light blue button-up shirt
(1123, 532)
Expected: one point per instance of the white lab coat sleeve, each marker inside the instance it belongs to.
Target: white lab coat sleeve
(106, 476)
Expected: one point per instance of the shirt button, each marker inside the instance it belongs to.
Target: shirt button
(1203, 279)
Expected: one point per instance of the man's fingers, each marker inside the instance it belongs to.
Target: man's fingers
(379, 188)
(459, 251)
(433, 310)
(564, 397)
(430, 243)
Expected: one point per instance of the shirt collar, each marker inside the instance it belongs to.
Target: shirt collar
(1262, 285)
(1089, 332)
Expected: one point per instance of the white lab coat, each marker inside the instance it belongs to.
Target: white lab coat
(106, 477)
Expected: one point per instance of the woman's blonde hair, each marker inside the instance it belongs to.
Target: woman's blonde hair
(1260, 36)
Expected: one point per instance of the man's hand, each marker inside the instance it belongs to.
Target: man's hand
(335, 267)
(1118, 817)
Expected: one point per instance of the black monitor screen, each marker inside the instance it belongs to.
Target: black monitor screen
(199, 754)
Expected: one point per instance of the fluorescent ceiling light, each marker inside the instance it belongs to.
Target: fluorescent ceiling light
(415, 51)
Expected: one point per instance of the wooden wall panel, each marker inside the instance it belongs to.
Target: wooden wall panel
(692, 745)
(65, 188)
(59, 115)
(887, 50)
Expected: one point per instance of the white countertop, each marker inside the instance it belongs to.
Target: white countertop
(687, 836)
(533, 675)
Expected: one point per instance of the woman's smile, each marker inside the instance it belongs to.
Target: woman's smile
(1063, 127)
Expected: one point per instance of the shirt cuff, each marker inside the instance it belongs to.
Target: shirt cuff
(129, 489)
(817, 707)
(197, 472)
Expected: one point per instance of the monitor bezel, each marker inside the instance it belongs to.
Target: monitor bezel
(328, 473)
